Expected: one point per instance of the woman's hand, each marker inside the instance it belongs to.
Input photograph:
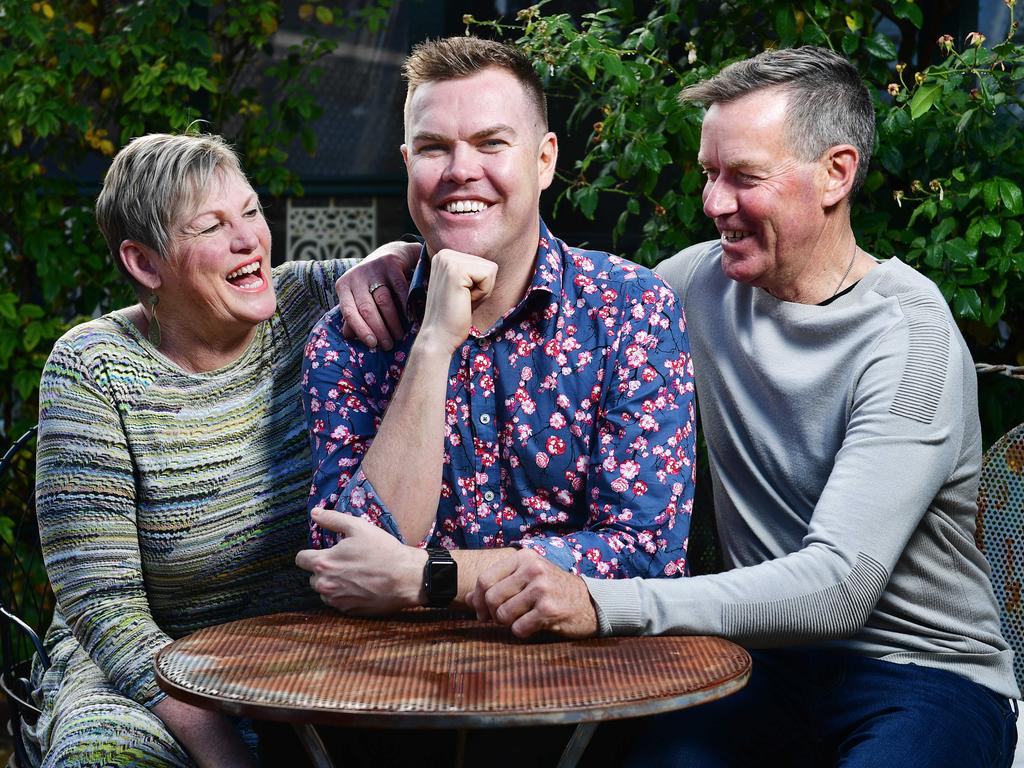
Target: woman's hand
(377, 317)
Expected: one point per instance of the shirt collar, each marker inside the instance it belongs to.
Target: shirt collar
(547, 277)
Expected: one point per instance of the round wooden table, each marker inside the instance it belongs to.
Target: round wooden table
(437, 669)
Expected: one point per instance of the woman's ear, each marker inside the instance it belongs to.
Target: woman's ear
(142, 263)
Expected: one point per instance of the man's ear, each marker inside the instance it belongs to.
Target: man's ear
(141, 262)
(547, 158)
(404, 149)
(840, 167)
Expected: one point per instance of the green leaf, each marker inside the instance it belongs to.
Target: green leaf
(959, 251)
(967, 304)
(1010, 195)
(31, 312)
(924, 98)
(904, 9)
(990, 226)
(8, 303)
(933, 256)
(785, 25)
(7, 530)
(973, 276)
(589, 65)
(926, 209)
(992, 313)
(8, 343)
(990, 190)
(850, 43)
(880, 46)
(1013, 233)
(964, 119)
(613, 65)
(26, 382)
(586, 201)
(32, 334)
(941, 232)
(974, 232)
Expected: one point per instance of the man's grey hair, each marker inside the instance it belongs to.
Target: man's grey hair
(828, 103)
(155, 184)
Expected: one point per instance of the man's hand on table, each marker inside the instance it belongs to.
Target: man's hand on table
(531, 595)
(368, 572)
(377, 317)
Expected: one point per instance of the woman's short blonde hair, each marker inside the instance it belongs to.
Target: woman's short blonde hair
(155, 184)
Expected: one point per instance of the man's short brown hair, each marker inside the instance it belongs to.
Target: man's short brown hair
(461, 56)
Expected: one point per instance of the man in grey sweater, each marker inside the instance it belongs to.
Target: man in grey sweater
(839, 404)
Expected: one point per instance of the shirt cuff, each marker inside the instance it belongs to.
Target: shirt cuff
(359, 499)
(155, 699)
(552, 548)
(618, 605)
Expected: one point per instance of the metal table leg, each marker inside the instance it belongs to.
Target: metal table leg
(577, 744)
(460, 748)
(313, 745)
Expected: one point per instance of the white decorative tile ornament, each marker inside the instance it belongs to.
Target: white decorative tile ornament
(331, 231)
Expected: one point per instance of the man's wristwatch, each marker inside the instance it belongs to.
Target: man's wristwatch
(440, 577)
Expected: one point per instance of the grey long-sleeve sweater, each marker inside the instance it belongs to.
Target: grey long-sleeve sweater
(845, 450)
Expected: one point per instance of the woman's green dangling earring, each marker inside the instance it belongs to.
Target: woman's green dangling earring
(154, 324)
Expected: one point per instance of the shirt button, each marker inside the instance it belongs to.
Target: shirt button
(489, 496)
(485, 418)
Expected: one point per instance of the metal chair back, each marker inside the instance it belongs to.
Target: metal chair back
(1000, 534)
(26, 600)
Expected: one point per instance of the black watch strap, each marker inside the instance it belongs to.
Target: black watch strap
(440, 577)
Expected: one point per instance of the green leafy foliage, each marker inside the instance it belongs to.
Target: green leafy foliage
(81, 78)
(944, 189)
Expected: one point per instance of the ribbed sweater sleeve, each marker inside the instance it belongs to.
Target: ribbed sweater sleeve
(87, 522)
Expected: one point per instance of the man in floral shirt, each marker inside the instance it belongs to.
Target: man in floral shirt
(541, 398)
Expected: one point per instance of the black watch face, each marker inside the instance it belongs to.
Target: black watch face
(443, 582)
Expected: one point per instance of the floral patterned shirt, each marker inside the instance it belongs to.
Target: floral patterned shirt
(569, 424)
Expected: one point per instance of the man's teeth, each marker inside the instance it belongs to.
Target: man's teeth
(733, 235)
(246, 270)
(465, 206)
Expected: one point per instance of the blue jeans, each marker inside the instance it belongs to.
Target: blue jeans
(825, 708)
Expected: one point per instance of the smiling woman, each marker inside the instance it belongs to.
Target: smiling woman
(209, 274)
(172, 462)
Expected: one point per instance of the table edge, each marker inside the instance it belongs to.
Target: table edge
(440, 720)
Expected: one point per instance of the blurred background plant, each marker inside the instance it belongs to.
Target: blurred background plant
(80, 78)
(943, 193)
